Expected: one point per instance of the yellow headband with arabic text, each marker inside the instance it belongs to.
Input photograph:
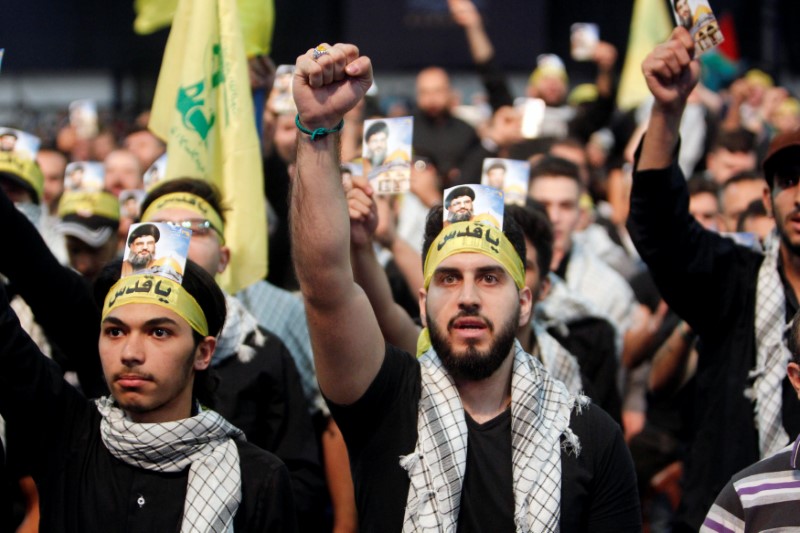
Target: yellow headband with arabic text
(190, 202)
(150, 289)
(89, 203)
(464, 237)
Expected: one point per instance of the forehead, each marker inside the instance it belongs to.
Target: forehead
(554, 188)
(144, 239)
(137, 313)
(174, 214)
(468, 261)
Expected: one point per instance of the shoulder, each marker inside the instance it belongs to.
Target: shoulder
(594, 427)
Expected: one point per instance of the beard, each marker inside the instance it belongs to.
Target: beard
(377, 158)
(472, 364)
(459, 217)
(141, 260)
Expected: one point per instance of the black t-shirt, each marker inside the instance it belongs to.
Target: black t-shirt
(598, 490)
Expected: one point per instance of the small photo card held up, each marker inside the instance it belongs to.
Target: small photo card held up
(386, 154)
(583, 40)
(88, 176)
(474, 203)
(697, 17)
(130, 203)
(156, 173)
(19, 143)
(83, 118)
(508, 175)
(157, 248)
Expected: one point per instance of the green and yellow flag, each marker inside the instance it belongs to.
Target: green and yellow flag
(651, 24)
(203, 110)
(257, 19)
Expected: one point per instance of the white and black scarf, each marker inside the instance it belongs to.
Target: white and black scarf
(540, 413)
(204, 443)
(556, 359)
(772, 355)
(239, 325)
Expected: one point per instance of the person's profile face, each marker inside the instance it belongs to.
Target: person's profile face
(377, 143)
(7, 143)
(496, 177)
(682, 7)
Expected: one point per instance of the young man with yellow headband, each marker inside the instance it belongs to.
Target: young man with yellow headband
(260, 389)
(475, 436)
(149, 457)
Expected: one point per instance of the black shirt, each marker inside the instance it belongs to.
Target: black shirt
(598, 490)
(82, 487)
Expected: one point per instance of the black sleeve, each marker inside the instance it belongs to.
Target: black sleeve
(495, 83)
(59, 297)
(591, 117)
(693, 268)
(34, 398)
(267, 502)
(613, 504)
(261, 394)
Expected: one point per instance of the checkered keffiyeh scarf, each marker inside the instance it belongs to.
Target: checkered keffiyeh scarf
(540, 412)
(772, 355)
(204, 443)
(239, 325)
(561, 364)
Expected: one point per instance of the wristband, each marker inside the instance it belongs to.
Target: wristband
(319, 132)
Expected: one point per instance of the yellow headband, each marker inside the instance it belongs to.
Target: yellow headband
(464, 237)
(149, 289)
(191, 202)
(86, 204)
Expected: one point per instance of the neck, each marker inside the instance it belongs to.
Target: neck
(791, 268)
(525, 337)
(487, 398)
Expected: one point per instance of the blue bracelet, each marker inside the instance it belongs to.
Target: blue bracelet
(319, 132)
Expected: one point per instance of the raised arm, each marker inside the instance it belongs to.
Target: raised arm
(397, 327)
(671, 74)
(347, 342)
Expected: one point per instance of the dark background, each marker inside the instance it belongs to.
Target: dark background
(404, 35)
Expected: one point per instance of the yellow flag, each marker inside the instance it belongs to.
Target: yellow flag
(651, 24)
(257, 18)
(203, 109)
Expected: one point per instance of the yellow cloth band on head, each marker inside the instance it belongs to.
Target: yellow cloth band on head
(87, 204)
(150, 289)
(190, 202)
(464, 237)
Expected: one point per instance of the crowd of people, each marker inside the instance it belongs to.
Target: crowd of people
(616, 351)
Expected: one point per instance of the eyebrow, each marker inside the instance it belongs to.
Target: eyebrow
(158, 321)
(493, 269)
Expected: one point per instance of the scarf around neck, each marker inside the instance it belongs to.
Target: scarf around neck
(772, 354)
(204, 443)
(540, 414)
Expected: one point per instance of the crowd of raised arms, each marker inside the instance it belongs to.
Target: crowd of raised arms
(610, 346)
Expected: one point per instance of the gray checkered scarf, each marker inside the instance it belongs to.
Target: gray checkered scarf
(557, 360)
(540, 413)
(772, 355)
(204, 443)
(239, 324)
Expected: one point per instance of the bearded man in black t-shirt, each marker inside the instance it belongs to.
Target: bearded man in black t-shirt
(474, 435)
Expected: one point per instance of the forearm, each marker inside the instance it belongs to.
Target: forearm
(661, 139)
(671, 361)
(480, 46)
(397, 327)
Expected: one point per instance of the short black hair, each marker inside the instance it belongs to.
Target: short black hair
(458, 192)
(700, 185)
(434, 224)
(738, 140)
(209, 297)
(535, 225)
(745, 175)
(754, 209)
(793, 338)
(143, 230)
(204, 189)
(375, 128)
(551, 166)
